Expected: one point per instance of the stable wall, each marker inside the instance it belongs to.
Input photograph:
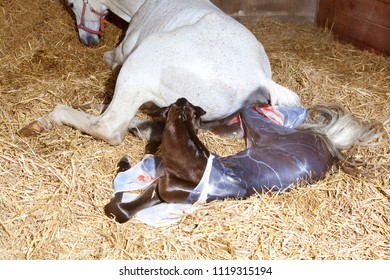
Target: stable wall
(364, 23)
(293, 10)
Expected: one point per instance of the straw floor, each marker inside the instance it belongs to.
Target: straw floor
(54, 186)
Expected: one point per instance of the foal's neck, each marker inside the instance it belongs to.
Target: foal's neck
(181, 144)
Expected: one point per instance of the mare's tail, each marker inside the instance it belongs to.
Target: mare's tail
(342, 130)
(281, 95)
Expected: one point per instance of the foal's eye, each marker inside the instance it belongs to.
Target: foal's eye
(71, 5)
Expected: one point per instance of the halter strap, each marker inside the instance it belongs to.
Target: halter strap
(82, 20)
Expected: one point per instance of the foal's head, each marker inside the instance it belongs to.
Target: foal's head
(182, 111)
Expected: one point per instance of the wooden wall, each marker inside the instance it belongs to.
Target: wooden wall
(364, 23)
(295, 10)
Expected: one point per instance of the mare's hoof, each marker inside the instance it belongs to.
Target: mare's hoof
(114, 211)
(32, 129)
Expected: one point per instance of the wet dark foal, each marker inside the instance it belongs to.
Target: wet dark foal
(276, 158)
(183, 167)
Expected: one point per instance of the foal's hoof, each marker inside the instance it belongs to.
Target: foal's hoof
(32, 129)
(124, 164)
(114, 211)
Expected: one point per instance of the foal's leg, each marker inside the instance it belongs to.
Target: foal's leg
(174, 190)
(151, 131)
(166, 189)
(123, 211)
(124, 164)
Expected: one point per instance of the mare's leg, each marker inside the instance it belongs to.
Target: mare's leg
(112, 125)
(151, 131)
(117, 56)
(123, 211)
(93, 106)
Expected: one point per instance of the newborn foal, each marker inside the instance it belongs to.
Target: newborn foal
(276, 157)
(184, 158)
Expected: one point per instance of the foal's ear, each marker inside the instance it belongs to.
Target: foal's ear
(160, 113)
(199, 111)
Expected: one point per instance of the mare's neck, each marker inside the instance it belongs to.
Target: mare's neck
(125, 9)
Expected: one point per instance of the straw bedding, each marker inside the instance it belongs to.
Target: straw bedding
(54, 186)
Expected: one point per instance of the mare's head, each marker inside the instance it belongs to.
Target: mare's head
(182, 111)
(90, 19)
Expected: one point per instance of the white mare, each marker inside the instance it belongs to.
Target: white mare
(172, 49)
